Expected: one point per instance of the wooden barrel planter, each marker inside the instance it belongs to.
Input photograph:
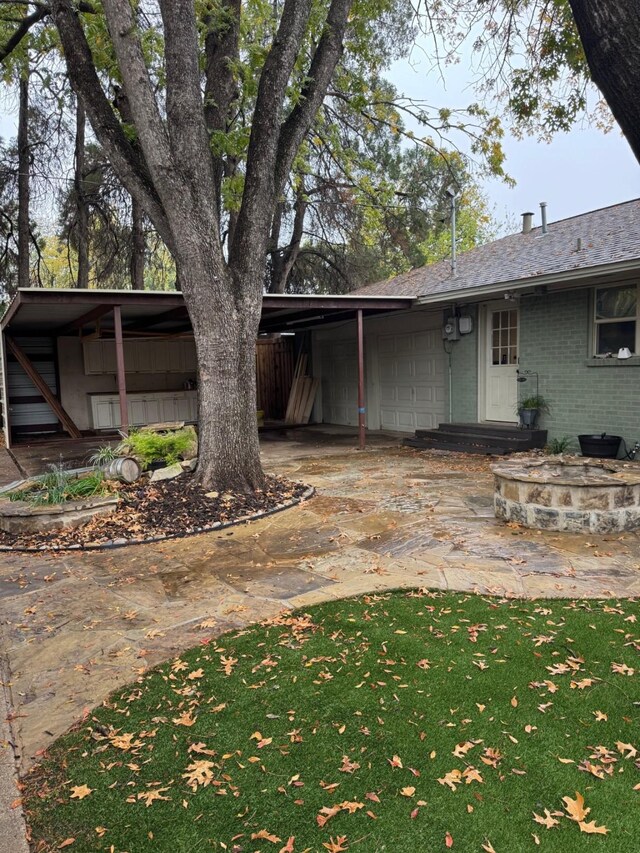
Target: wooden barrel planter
(125, 469)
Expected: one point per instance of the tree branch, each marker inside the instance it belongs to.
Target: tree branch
(22, 30)
(185, 113)
(152, 131)
(220, 90)
(323, 64)
(259, 190)
(128, 164)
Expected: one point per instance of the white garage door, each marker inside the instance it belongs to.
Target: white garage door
(340, 383)
(411, 377)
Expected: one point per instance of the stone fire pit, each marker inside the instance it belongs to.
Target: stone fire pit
(575, 494)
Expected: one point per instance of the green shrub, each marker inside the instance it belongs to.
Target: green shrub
(534, 401)
(558, 445)
(103, 455)
(149, 447)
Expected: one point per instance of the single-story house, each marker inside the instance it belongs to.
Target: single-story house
(552, 305)
(550, 302)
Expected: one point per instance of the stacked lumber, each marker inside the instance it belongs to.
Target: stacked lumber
(303, 394)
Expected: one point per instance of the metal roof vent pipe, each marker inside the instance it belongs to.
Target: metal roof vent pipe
(543, 213)
(527, 223)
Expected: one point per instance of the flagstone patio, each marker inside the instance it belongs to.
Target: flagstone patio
(75, 626)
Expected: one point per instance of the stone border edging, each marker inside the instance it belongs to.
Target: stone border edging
(123, 543)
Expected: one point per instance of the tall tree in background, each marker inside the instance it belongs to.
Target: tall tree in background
(24, 174)
(82, 212)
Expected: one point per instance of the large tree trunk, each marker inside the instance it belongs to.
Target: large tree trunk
(82, 214)
(24, 170)
(138, 246)
(225, 333)
(610, 34)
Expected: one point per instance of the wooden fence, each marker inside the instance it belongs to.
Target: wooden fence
(274, 371)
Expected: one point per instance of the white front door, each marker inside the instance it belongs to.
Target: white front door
(501, 360)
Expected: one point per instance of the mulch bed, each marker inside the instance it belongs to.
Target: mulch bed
(166, 509)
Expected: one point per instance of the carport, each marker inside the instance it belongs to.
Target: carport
(77, 363)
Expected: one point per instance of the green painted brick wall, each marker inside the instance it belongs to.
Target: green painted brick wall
(464, 374)
(555, 341)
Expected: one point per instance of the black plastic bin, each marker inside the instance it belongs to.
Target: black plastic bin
(601, 446)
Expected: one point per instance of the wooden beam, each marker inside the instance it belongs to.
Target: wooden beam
(120, 367)
(179, 313)
(54, 404)
(89, 317)
(361, 406)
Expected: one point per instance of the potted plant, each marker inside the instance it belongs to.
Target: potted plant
(529, 408)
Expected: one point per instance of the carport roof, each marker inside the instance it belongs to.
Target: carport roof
(66, 311)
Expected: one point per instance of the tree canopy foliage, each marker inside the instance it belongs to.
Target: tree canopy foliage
(356, 150)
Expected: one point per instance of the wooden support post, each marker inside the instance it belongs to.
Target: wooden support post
(361, 402)
(122, 381)
(54, 404)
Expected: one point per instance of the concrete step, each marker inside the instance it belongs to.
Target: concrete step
(479, 449)
(492, 428)
(517, 442)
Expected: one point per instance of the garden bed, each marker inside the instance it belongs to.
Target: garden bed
(167, 509)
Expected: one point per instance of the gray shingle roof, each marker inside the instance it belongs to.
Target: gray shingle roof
(609, 235)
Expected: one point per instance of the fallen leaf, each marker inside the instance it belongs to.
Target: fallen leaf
(575, 808)
(267, 836)
(185, 719)
(626, 749)
(288, 847)
(79, 792)
(448, 840)
(463, 748)
(488, 847)
(622, 669)
(197, 673)
(409, 791)
(151, 796)
(199, 773)
(348, 766)
(338, 845)
(66, 843)
(592, 829)
(547, 820)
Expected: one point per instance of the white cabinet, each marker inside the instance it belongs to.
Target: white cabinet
(104, 412)
(146, 355)
(152, 407)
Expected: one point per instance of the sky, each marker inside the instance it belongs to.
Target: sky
(578, 171)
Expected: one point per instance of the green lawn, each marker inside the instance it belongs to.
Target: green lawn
(401, 722)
